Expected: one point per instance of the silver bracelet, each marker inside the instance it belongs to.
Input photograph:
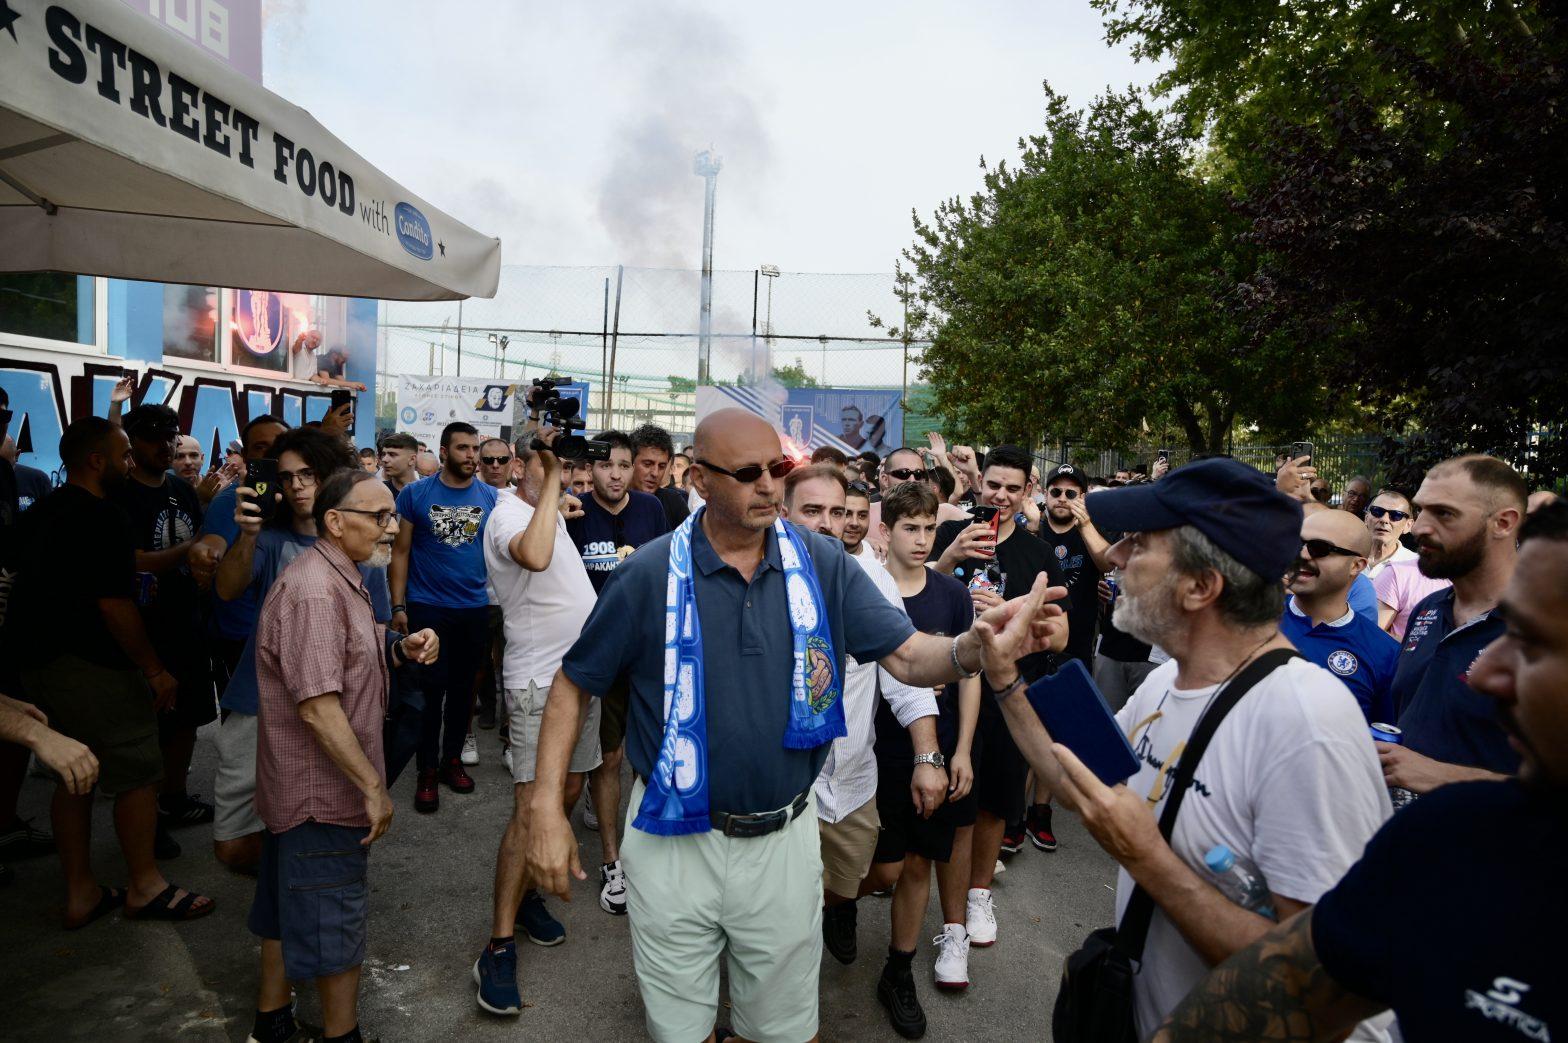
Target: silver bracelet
(963, 674)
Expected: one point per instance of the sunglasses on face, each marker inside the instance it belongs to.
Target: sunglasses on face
(909, 474)
(1389, 513)
(1071, 494)
(751, 472)
(5, 416)
(496, 461)
(1325, 548)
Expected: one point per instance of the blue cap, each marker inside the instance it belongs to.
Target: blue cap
(1232, 504)
(1219, 859)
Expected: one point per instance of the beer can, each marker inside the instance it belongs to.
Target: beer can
(1387, 733)
(146, 585)
(1114, 584)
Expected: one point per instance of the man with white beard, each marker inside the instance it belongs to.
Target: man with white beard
(1290, 782)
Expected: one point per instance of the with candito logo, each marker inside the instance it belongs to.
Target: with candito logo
(413, 231)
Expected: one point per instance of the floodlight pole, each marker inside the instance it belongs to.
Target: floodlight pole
(707, 167)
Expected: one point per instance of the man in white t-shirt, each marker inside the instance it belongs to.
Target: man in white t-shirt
(1290, 782)
(545, 597)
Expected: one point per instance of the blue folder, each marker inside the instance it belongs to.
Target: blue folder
(1077, 716)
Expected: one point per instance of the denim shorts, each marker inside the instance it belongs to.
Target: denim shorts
(313, 895)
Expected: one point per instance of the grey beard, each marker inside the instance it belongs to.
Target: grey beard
(381, 557)
(1150, 617)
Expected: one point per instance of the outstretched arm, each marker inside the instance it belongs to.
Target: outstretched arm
(1275, 989)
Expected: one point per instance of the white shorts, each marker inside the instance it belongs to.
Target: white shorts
(525, 712)
(234, 785)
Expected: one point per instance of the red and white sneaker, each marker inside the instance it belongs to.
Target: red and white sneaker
(952, 957)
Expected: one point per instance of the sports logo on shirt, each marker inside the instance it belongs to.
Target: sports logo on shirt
(1061, 550)
(456, 526)
(1501, 1004)
(1419, 626)
(1343, 663)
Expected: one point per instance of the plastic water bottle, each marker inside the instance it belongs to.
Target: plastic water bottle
(1240, 881)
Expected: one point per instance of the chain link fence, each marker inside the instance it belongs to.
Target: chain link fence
(633, 333)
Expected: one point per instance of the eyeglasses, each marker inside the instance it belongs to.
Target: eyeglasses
(496, 461)
(381, 517)
(305, 478)
(1057, 492)
(1325, 548)
(909, 474)
(1389, 513)
(751, 472)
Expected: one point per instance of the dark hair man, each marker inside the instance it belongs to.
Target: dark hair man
(870, 464)
(616, 519)
(652, 452)
(996, 563)
(909, 843)
(368, 461)
(850, 419)
(1318, 618)
(307, 458)
(1290, 783)
(88, 663)
(545, 598)
(495, 463)
(321, 672)
(438, 583)
(827, 454)
(1484, 969)
(857, 518)
(730, 823)
(846, 790)
(1358, 493)
(1470, 509)
(398, 451)
(165, 519)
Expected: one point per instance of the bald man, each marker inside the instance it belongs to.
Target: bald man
(723, 859)
(1320, 621)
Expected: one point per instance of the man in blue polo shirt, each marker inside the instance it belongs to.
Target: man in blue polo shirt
(1318, 618)
(1469, 512)
(754, 618)
(438, 583)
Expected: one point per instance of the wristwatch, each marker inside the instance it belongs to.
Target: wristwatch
(934, 758)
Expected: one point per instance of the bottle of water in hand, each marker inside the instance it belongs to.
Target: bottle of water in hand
(1240, 881)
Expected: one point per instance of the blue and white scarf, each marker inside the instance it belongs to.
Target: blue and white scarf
(676, 799)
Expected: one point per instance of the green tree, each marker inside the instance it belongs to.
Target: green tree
(1089, 292)
(794, 376)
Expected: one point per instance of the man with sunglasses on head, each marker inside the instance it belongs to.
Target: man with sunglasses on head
(1395, 570)
(753, 617)
(1318, 618)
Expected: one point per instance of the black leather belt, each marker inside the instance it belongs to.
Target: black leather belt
(761, 824)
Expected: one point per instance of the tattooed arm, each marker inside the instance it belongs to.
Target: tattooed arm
(1275, 989)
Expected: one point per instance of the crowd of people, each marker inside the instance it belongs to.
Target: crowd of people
(819, 673)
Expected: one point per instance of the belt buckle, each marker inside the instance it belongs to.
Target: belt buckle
(747, 826)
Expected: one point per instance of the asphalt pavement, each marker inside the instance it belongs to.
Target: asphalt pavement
(119, 980)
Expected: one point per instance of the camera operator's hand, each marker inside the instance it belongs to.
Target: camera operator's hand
(571, 507)
(247, 511)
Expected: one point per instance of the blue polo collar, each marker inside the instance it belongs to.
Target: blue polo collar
(708, 560)
(1343, 620)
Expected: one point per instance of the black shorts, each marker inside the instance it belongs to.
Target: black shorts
(196, 702)
(903, 830)
(1000, 769)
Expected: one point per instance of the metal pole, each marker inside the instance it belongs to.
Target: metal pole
(604, 337)
(459, 338)
(707, 167)
(615, 337)
(756, 378)
(903, 425)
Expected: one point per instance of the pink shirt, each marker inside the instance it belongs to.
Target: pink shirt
(1400, 586)
(316, 634)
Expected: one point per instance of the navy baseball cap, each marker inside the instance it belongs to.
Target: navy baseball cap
(1071, 473)
(1232, 504)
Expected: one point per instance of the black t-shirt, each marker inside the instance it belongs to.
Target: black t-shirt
(9, 508)
(604, 539)
(1458, 938)
(1083, 595)
(165, 516)
(942, 608)
(1118, 644)
(32, 485)
(74, 548)
(674, 503)
(1022, 557)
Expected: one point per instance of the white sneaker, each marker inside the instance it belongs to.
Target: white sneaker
(470, 750)
(612, 893)
(506, 758)
(590, 820)
(952, 957)
(981, 918)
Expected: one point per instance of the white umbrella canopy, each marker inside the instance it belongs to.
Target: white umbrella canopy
(127, 152)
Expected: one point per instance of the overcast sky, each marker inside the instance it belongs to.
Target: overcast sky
(568, 130)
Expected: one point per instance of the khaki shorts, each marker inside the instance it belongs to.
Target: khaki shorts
(525, 712)
(757, 901)
(108, 711)
(234, 784)
(847, 847)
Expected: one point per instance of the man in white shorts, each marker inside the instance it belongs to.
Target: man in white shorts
(545, 597)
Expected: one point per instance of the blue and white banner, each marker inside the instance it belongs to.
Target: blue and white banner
(852, 420)
(425, 405)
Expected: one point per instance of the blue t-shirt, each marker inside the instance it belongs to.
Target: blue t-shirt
(275, 548)
(599, 535)
(1363, 597)
(1441, 715)
(446, 565)
(236, 619)
(1354, 649)
(748, 654)
(1457, 938)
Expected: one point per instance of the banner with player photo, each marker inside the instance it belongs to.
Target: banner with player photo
(852, 420)
(425, 405)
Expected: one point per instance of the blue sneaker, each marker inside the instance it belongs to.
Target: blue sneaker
(495, 972)
(537, 923)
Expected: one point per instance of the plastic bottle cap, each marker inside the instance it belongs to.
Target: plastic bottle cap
(1219, 859)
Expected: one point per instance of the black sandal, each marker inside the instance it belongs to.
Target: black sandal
(109, 899)
(189, 812)
(164, 907)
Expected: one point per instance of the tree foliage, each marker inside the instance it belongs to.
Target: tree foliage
(1089, 290)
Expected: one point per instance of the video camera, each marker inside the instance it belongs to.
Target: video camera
(560, 413)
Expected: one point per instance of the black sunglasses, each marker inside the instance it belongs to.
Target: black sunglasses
(909, 474)
(863, 488)
(5, 415)
(751, 472)
(1325, 548)
(1071, 494)
(1391, 514)
(496, 461)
